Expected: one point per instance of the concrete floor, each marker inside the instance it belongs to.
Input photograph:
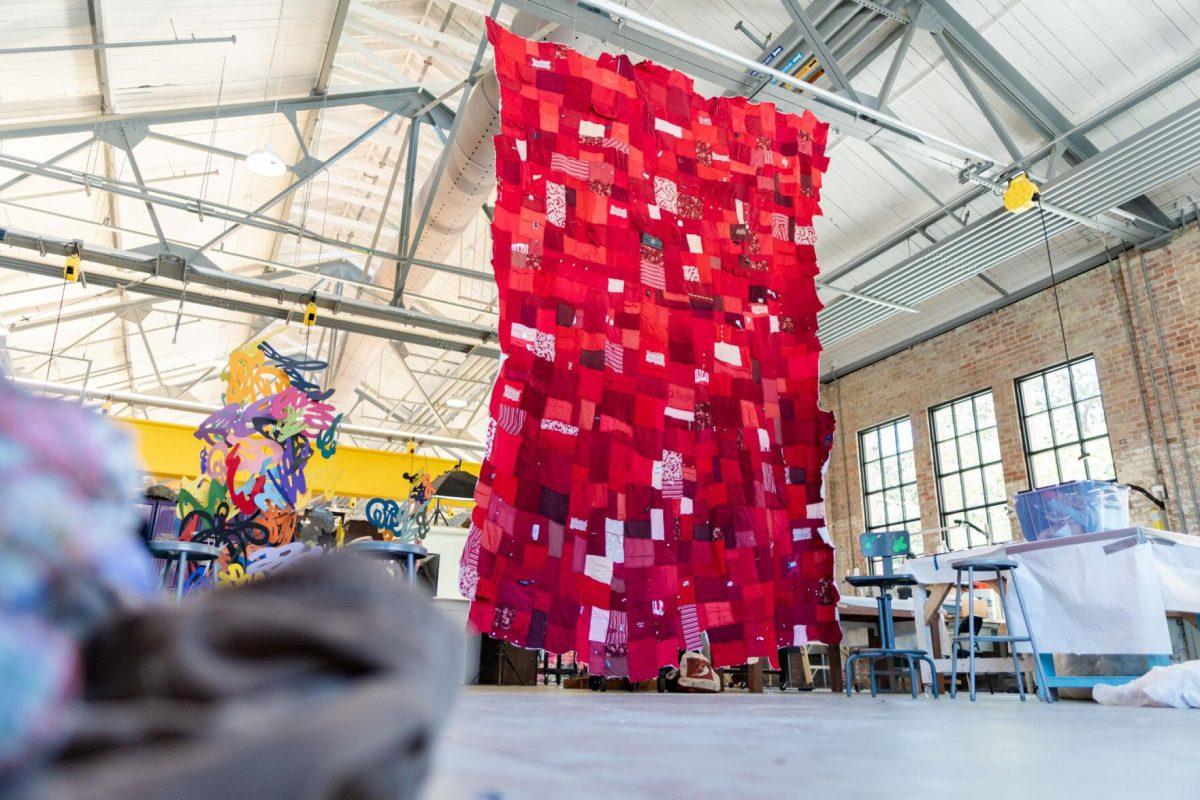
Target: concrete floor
(504, 744)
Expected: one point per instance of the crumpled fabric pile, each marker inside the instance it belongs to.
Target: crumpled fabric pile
(69, 557)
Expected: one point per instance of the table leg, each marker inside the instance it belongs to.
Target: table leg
(835, 668)
(179, 575)
(924, 642)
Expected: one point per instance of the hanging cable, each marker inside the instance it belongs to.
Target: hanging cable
(1062, 330)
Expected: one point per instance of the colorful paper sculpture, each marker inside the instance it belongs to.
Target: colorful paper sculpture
(256, 448)
(654, 458)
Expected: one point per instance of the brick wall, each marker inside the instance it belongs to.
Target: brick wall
(991, 352)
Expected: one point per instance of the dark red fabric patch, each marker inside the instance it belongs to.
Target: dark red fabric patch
(653, 465)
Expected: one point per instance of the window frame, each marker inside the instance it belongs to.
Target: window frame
(1055, 447)
(939, 475)
(864, 495)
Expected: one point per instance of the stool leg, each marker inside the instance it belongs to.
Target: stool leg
(179, 577)
(933, 676)
(872, 661)
(1039, 673)
(954, 634)
(1012, 646)
(412, 573)
(849, 673)
(971, 628)
(912, 676)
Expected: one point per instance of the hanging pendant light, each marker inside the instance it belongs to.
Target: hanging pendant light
(266, 162)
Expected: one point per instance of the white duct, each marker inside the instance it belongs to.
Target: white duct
(468, 180)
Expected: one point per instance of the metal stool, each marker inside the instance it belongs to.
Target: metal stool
(168, 550)
(393, 550)
(996, 566)
(885, 545)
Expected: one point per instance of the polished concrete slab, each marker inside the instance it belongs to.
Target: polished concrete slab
(504, 744)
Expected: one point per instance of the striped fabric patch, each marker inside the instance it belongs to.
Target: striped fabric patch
(617, 144)
(576, 168)
(511, 419)
(653, 275)
(779, 226)
(614, 356)
(690, 622)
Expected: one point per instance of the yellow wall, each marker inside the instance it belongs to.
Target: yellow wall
(170, 451)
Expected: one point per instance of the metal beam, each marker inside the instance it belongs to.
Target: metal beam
(300, 181)
(727, 68)
(893, 72)
(981, 102)
(1011, 84)
(405, 101)
(54, 159)
(62, 48)
(824, 55)
(166, 276)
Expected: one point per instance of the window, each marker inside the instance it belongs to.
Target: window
(1062, 421)
(970, 477)
(889, 479)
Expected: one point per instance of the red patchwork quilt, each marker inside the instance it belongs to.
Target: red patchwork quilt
(654, 457)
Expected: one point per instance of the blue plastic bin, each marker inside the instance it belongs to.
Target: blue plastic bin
(1072, 509)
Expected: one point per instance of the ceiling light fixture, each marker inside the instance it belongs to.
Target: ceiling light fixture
(456, 402)
(266, 162)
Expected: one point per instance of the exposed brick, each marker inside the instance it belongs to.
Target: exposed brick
(991, 352)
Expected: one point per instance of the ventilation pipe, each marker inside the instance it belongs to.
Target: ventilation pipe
(468, 181)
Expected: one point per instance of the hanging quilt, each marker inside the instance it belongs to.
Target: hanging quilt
(655, 451)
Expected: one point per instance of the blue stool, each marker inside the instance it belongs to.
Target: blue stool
(173, 551)
(999, 567)
(885, 546)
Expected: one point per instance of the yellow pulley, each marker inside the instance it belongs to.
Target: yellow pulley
(72, 269)
(310, 314)
(1020, 194)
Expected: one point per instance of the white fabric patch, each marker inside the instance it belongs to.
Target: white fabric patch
(656, 358)
(522, 148)
(592, 129)
(617, 211)
(598, 630)
(512, 393)
(540, 63)
(691, 273)
(616, 285)
(656, 473)
(764, 441)
(535, 532)
(701, 376)
(799, 635)
(556, 204)
(560, 427)
(577, 524)
(653, 211)
(685, 505)
(679, 413)
(657, 608)
(729, 353)
(774, 324)
(666, 194)
(801, 534)
(668, 127)
(614, 540)
(540, 343)
(658, 530)
(759, 309)
(694, 243)
(737, 204)
(598, 568)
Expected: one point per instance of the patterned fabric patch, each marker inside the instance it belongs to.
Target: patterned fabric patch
(655, 437)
